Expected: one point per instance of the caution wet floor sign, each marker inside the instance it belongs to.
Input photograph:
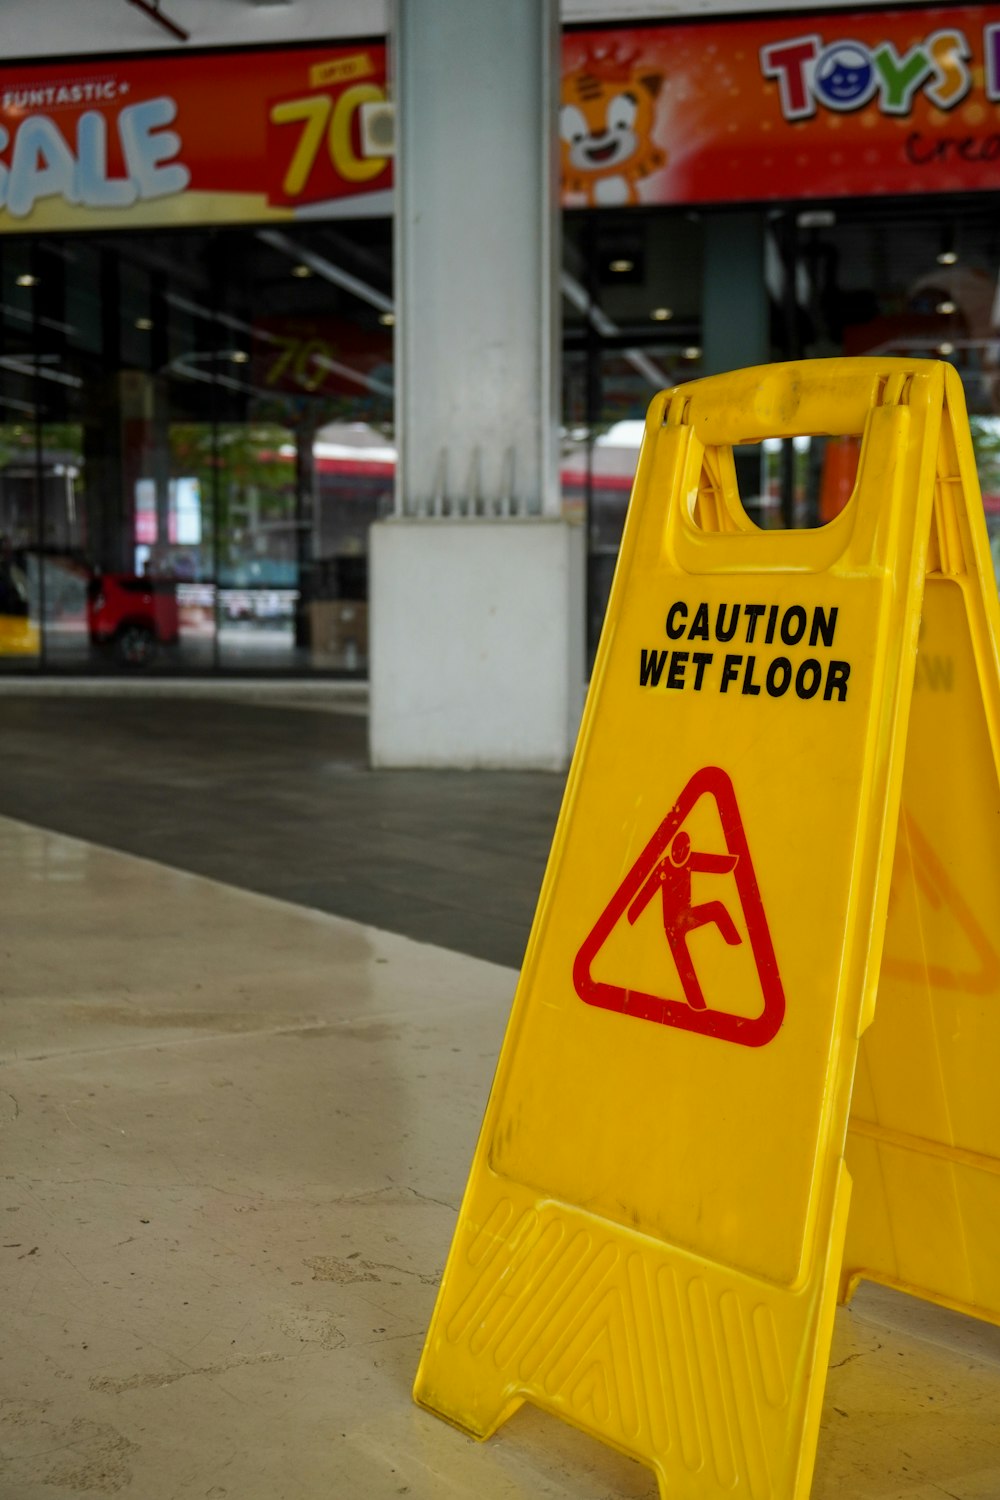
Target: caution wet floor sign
(764, 963)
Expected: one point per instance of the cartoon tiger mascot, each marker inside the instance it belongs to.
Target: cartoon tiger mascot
(605, 124)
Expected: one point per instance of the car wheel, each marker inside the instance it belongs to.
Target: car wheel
(135, 646)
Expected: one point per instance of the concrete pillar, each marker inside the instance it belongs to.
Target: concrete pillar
(476, 586)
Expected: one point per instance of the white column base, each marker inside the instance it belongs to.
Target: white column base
(476, 650)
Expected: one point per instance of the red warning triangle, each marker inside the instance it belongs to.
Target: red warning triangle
(664, 870)
(926, 900)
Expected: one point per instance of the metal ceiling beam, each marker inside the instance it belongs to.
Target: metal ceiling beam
(151, 8)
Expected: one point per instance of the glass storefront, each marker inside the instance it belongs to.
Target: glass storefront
(194, 439)
(196, 424)
(918, 278)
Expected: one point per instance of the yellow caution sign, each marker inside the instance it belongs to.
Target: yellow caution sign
(784, 805)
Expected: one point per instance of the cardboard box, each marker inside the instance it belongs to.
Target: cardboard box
(338, 633)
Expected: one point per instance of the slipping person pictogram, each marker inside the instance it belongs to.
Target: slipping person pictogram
(672, 878)
(743, 1004)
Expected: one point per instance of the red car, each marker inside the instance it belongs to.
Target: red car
(135, 616)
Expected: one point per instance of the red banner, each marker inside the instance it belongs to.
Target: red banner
(861, 104)
(202, 138)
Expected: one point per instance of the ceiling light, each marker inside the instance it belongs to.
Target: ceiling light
(325, 268)
(816, 218)
(144, 324)
(947, 306)
(947, 257)
(661, 314)
(946, 349)
(599, 320)
(691, 352)
(621, 266)
(27, 280)
(239, 356)
(302, 271)
(387, 319)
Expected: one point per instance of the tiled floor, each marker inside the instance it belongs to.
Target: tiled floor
(234, 1135)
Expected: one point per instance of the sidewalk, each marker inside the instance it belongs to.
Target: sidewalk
(320, 694)
(281, 800)
(235, 1137)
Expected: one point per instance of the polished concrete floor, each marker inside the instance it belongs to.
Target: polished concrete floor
(235, 1130)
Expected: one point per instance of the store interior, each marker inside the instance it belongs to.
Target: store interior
(196, 426)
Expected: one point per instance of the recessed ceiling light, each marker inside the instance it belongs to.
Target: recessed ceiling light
(239, 356)
(946, 349)
(947, 306)
(692, 352)
(27, 280)
(661, 314)
(302, 271)
(387, 319)
(621, 265)
(947, 257)
(144, 324)
(816, 218)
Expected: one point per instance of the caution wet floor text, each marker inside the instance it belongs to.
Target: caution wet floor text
(764, 961)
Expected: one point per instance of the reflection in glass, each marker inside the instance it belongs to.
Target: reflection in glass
(168, 402)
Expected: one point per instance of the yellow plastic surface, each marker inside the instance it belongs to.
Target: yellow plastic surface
(924, 1141)
(653, 1234)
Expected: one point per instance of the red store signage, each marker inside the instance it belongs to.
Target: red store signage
(854, 103)
(196, 138)
(847, 104)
